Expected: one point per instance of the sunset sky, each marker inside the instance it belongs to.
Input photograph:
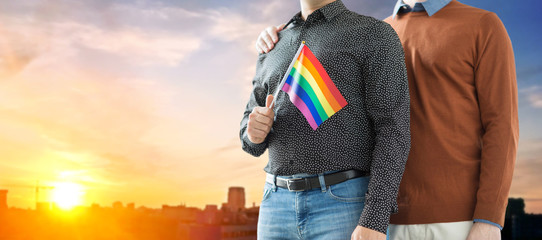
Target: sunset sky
(140, 101)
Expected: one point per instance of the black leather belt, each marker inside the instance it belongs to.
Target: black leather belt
(308, 183)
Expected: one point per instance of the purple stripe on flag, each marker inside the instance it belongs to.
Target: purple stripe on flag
(298, 102)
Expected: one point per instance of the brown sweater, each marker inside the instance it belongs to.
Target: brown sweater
(464, 119)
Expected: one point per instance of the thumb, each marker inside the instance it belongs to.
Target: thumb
(280, 27)
(268, 101)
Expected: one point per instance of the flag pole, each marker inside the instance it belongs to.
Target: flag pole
(287, 74)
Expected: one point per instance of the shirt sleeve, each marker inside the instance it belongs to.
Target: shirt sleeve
(257, 99)
(496, 86)
(388, 106)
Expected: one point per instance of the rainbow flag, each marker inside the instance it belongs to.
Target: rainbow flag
(310, 89)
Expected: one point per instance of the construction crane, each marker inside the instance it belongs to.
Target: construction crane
(37, 188)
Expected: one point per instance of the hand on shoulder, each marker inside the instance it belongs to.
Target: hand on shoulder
(267, 38)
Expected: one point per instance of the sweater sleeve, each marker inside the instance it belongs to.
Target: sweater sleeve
(388, 106)
(257, 98)
(495, 80)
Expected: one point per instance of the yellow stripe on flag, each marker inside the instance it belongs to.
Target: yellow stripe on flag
(308, 76)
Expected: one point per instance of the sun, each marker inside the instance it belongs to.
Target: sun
(67, 195)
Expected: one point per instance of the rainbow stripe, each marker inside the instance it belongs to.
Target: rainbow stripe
(310, 89)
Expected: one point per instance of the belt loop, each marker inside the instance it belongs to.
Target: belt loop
(322, 182)
(274, 183)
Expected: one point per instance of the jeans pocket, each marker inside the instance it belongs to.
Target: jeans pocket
(353, 190)
(267, 190)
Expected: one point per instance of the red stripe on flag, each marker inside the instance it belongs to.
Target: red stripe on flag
(327, 80)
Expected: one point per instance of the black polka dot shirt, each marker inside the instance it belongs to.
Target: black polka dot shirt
(364, 58)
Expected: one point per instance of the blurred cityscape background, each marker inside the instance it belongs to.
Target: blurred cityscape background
(232, 220)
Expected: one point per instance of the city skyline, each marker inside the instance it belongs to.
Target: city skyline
(119, 221)
(235, 201)
(119, 99)
(231, 221)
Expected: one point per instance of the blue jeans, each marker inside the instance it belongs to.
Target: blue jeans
(330, 213)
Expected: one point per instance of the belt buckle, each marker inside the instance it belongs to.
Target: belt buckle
(288, 181)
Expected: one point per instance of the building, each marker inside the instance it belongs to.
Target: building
(216, 232)
(210, 215)
(118, 205)
(43, 206)
(520, 225)
(236, 199)
(3, 199)
(181, 213)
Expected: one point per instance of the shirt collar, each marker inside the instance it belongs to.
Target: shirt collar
(333, 9)
(431, 6)
(326, 12)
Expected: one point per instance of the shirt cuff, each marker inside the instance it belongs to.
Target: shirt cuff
(488, 222)
(254, 149)
(375, 215)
